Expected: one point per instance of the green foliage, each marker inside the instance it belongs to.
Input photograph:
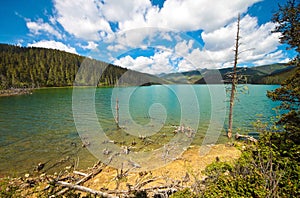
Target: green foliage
(289, 95)
(218, 168)
(140, 194)
(185, 193)
(38, 67)
(8, 188)
(288, 20)
(268, 169)
(266, 74)
(277, 77)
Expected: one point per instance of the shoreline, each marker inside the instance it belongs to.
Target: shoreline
(16, 92)
(109, 180)
(25, 91)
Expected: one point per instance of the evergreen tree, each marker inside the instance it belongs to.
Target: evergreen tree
(39, 67)
(288, 20)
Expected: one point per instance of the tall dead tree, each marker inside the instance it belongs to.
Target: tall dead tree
(234, 79)
(117, 113)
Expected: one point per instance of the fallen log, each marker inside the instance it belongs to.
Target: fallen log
(247, 137)
(85, 189)
(86, 178)
(80, 173)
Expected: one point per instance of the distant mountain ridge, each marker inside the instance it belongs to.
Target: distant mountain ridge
(266, 74)
(40, 67)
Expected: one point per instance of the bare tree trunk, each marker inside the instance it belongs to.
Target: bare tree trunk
(117, 112)
(234, 79)
(85, 189)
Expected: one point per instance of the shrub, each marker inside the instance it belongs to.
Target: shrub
(268, 169)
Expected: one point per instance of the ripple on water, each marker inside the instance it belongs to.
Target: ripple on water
(40, 127)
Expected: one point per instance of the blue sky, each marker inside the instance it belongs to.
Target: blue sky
(152, 36)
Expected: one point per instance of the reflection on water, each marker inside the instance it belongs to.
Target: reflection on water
(40, 127)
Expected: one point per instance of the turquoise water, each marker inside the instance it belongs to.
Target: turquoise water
(41, 128)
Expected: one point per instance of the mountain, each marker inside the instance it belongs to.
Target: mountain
(184, 77)
(40, 67)
(266, 74)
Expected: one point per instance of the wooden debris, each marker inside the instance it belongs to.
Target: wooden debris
(85, 144)
(188, 131)
(141, 184)
(80, 173)
(96, 171)
(106, 151)
(247, 137)
(125, 150)
(85, 189)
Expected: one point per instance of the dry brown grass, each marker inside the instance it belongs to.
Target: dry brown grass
(190, 162)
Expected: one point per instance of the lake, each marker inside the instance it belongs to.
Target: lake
(64, 127)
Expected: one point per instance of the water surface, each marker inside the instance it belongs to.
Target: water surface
(40, 127)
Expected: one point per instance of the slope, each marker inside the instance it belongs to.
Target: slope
(266, 74)
(39, 67)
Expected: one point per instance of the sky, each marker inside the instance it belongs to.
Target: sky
(151, 36)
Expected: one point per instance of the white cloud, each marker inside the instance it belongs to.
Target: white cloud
(121, 11)
(82, 18)
(186, 15)
(156, 64)
(89, 19)
(256, 42)
(185, 65)
(277, 56)
(184, 47)
(116, 48)
(53, 45)
(138, 24)
(258, 46)
(40, 26)
(90, 46)
(176, 15)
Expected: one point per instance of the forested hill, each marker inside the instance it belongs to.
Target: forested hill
(40, 67)
(266, 74)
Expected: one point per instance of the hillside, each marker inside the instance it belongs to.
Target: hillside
(40, 67)
(266, 74)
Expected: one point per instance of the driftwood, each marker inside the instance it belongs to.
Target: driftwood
(157, 190)
(138, 187)
(247, 137)
(80, 173)
(86, 178)
(85, 189)
(154, 189)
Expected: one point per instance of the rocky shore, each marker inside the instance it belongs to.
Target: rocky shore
(15, 91)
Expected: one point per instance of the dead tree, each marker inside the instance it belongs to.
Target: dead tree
(234, 79)
(117, 113)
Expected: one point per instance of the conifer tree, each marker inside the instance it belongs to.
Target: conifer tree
(288, 24)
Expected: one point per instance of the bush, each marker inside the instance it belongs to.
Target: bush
(8, 188)
(185, 193)
(268, 169)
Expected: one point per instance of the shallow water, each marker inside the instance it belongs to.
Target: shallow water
(41, 128)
